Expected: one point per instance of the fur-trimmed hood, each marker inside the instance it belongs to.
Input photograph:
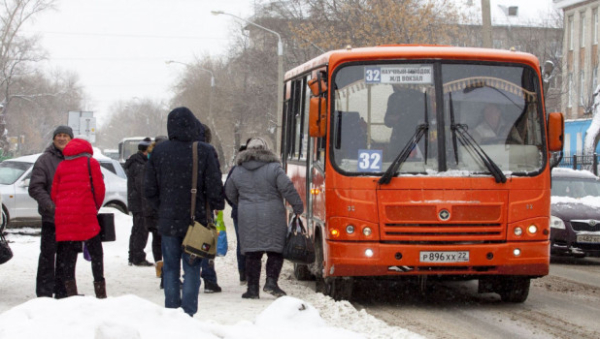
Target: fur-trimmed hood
(252, 159)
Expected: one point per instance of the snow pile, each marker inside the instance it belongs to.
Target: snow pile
(134, 308)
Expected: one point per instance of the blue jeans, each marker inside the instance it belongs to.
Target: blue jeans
(208, 271)
(173, 258)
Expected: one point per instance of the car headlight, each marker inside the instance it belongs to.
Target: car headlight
(557, 223)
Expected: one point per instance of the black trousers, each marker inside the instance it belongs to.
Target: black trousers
(49, 274)
(152, 227)
(67, 256)
(138, 239)
(253, 266)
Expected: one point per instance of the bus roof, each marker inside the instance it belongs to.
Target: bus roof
(333, 58)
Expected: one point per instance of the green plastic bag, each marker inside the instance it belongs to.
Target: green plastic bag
(222, 239)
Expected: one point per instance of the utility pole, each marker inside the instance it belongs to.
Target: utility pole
(486, 23)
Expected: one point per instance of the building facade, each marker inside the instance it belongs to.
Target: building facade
(580, 56)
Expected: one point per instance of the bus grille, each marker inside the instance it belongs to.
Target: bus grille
(446, 233)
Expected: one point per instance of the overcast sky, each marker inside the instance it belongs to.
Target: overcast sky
(119, 47)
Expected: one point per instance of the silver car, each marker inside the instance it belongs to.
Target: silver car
(18, 206)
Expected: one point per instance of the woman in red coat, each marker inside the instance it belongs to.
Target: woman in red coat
(76, 210)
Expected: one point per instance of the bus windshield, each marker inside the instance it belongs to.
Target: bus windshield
(387, 117)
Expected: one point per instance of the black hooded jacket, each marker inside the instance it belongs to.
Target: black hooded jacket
(168, 176)
(134, 167)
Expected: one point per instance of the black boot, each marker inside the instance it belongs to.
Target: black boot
(251, 293)
(271, 287)
(100, 289)
(71, 287)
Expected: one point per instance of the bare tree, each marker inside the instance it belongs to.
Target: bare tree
(135, 117)
(17, 53)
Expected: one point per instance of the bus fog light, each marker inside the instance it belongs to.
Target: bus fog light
(516, 252)
(369, 252)
(367, 231)
(532, 229)
(518, 231)
(350, 229)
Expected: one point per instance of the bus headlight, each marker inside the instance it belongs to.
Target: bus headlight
(350, 229)
(532, 229)
(518, 231)
(516, 252)
(557, 223)
(369, 252)
(367, 231)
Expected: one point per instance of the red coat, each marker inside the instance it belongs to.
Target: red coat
(76, 210)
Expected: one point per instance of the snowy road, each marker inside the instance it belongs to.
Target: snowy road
(564, 304)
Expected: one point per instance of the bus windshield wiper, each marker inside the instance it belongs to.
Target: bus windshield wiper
(460, 132)
(401, 158)
(472, 146)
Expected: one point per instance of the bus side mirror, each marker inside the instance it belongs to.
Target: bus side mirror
(317, 85)
(317, 118)
(556, 131)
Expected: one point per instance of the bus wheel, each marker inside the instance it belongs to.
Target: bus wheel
(320, 285)
(302, 273)
(514, 290)
(339, 288)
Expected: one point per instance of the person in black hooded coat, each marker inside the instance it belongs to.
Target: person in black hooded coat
(167, 186)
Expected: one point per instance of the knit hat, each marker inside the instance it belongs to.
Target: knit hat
(63, 129)
(143, 145)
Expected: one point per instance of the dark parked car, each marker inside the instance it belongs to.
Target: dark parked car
(575, 220)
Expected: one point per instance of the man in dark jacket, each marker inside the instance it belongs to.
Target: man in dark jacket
(167, 186)
(48, 281)
(134, 167)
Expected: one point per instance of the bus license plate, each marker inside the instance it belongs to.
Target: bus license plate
(445, 256)
(588, 238)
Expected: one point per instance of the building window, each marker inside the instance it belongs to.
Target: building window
(570, 33)
(581, 88)
(595, 25)
(570, 91)
(582, 30)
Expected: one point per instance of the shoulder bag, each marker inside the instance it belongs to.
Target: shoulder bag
(105, 220)
(200, 241)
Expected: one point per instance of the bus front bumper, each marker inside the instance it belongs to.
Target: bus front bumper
(515, 258)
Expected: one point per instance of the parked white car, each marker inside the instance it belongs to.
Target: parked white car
(17, 205)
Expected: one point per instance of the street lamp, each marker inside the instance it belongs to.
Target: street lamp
(279, 72)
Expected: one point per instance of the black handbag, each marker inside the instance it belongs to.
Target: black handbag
(299, 247)
(105, 220)
(107, 226)
(5, 252)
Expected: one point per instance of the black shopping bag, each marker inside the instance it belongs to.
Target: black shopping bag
(5, 252)
(299, 247)
(107, 226)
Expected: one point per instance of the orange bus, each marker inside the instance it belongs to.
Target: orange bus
(422, 162)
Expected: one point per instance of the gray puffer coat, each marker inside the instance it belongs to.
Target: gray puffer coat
(257, 186)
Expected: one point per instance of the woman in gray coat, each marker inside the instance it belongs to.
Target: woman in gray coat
(257, 186)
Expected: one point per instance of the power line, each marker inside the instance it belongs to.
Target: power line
(129, 35)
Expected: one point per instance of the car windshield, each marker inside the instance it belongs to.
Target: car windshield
(10, 171)
(575, 187)
(383, 112)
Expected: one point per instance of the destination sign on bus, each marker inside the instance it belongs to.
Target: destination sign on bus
(410, 75)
